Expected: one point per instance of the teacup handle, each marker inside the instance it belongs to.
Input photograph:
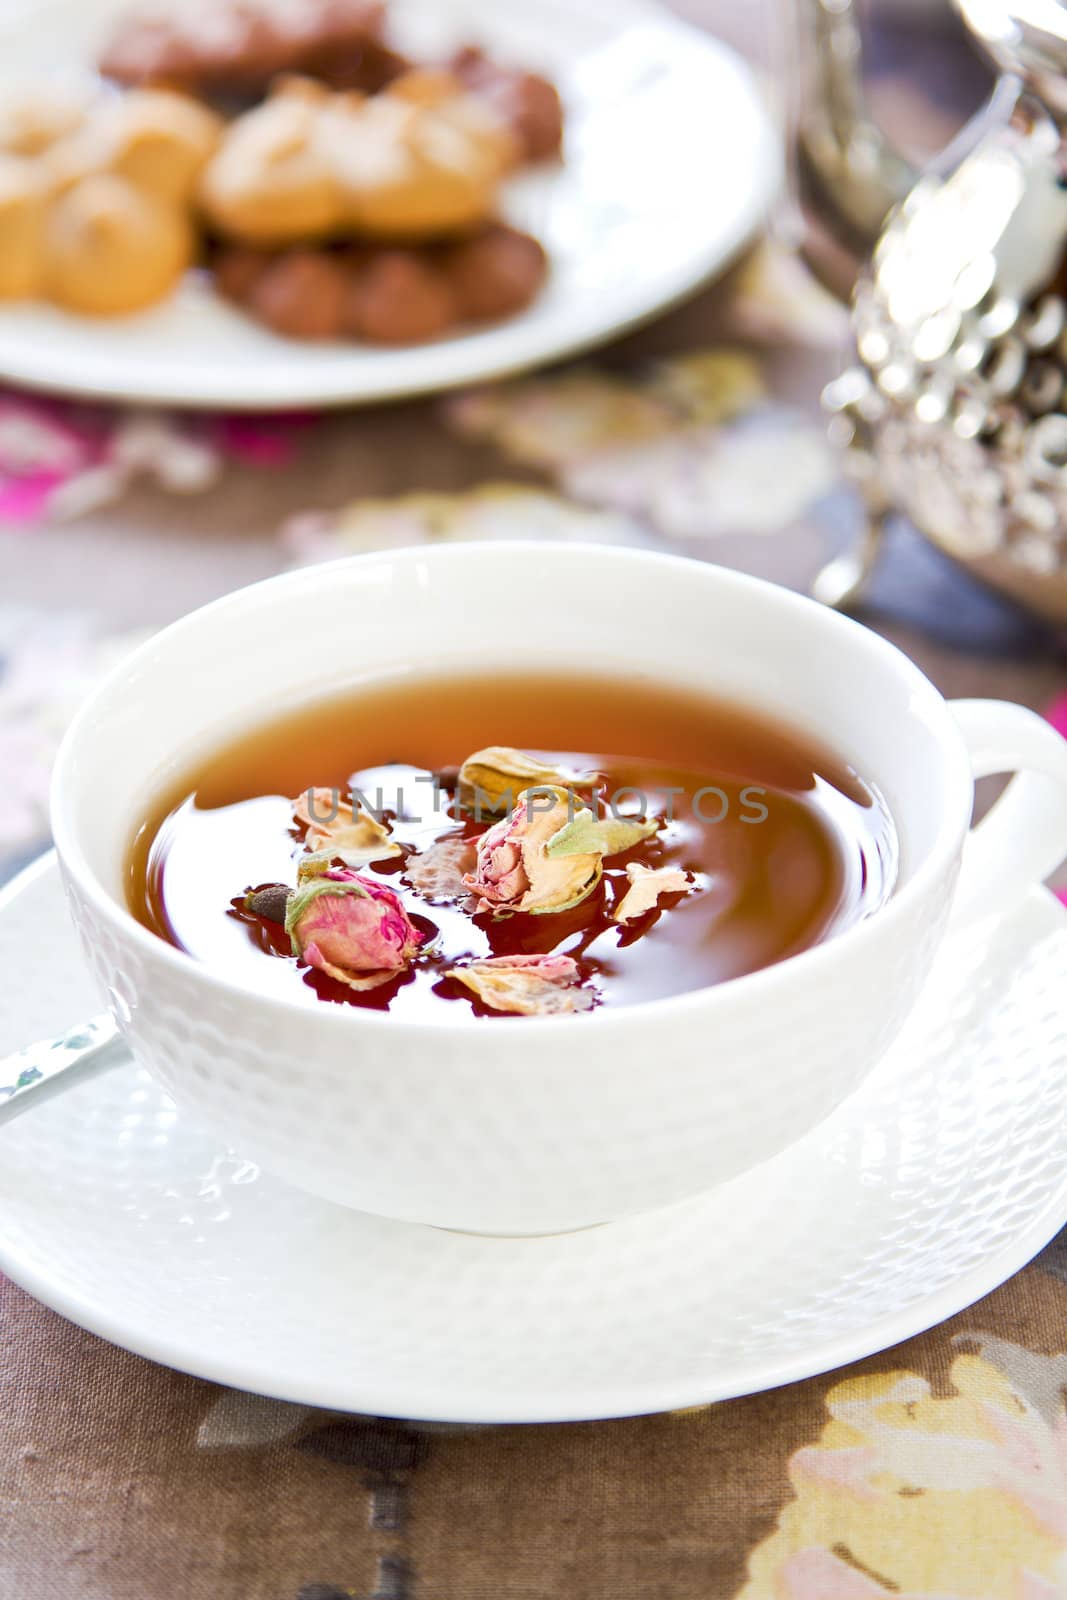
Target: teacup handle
(1023, 837)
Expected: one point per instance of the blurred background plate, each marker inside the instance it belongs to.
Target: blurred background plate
(671, 165)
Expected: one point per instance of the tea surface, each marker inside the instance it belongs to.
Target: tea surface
(781, 843)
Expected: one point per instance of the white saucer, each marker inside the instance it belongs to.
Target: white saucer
(943, 1176)
(672, 165)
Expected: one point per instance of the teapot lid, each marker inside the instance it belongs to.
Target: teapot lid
(1025, 37)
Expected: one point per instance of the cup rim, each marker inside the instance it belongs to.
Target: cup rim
(952, 828)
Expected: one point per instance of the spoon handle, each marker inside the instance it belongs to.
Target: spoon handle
(34, 1075)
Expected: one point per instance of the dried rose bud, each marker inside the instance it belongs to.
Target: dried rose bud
(354, 929)
(271, 902)
(447, 778)
(527, 985)
(491, 780)
(514, 871)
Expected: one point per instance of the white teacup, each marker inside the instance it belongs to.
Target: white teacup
(544, 1123)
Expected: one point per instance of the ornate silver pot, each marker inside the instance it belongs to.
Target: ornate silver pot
(956, 410)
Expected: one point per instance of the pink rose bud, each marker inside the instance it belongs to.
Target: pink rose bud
(352, 928)
(499, 878)
(514, 871)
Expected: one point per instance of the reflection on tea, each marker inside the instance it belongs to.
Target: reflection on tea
(507, 844)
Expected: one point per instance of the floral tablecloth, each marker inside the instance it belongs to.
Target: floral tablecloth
(935, 1470)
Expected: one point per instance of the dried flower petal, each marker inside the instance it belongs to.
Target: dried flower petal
(604, 836)
(527, 985)
(708, 386)
(360, 981)
(552, 421)
(514, 871)
(490, 780)
(647, 884)
(755, 476)
(354, 929)
(352, 835)
(438, 873)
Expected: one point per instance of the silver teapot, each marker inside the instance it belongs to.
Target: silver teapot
(956, 411)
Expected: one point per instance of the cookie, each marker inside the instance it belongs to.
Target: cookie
(529, 103)
(271, 181)
(424, 159)
(36, 116)
(237, 271)
(24, 201)
(385, 296)
(159, 140)
(236, 45)
(389, 297)
(303, 295)
(495, 274)
(110, 247)
(400, 297)
(368, 68)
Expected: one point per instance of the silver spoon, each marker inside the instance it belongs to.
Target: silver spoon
(42, 1070)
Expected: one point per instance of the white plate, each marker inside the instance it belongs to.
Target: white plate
(671, 166)
(926, 1190)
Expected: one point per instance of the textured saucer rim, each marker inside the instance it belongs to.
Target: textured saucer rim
(405, 1401)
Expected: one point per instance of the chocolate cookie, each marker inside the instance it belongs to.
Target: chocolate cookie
(390, 296)
(238, 46)
(400, 297)
(527, 102)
